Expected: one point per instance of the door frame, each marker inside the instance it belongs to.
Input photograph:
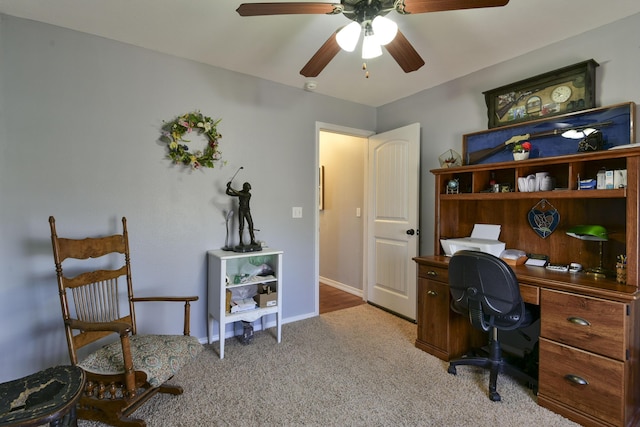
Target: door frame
(361, 133)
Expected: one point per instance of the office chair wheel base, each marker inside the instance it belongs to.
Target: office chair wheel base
(494, 396)
(452, 370)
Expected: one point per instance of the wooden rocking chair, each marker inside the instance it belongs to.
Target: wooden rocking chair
(122, 375)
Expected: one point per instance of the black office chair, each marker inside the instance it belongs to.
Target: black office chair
(486, 289)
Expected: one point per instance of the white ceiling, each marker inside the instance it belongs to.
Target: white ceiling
(453, 44)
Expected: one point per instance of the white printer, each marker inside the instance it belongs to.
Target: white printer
(484, 238)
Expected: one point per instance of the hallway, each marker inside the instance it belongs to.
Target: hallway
(333, 299)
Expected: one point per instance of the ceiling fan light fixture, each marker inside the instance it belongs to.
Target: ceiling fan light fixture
(384, 29)
(348, 36)
(370, 47)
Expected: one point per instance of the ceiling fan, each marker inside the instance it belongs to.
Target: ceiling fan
(368, 17)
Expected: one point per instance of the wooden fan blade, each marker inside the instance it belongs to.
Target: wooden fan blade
(256, 9)
(423, 6)
(404, 53)
(322, 57)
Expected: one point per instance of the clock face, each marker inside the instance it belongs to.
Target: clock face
(561, 94)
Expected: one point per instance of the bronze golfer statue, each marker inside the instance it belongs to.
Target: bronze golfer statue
(244, 215)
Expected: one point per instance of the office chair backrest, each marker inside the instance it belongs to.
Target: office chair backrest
(484, 286)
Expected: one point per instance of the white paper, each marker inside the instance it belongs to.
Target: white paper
(486, 231)
(536, 262)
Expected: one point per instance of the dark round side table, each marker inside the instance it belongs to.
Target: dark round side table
(48, 396)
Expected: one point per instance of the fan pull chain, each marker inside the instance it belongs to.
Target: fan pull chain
(366, 72)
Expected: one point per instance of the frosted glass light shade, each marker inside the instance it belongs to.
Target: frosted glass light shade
(348, 36)
(370, 47)
(384, 29)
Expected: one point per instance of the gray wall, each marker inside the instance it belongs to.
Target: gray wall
(79, 140)
(451, 110)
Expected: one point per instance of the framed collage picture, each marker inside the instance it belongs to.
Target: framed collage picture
(561, 91)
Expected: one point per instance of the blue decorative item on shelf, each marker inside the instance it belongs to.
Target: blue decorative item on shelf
(553, 136)
(453, 186)
(588, 184)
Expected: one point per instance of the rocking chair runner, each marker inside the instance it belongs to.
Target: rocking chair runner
(122, 375)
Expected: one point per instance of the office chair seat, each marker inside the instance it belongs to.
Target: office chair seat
(484, 288)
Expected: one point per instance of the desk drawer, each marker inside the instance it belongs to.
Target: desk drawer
(441, 274)
(585, 381)
(530, 294)
(595, 325)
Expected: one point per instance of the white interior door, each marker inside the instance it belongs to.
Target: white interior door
(393, 214)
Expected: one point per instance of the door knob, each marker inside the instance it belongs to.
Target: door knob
(411, 232)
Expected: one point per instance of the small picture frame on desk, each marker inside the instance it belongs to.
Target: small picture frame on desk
(561, 91)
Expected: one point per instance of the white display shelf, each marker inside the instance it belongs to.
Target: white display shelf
(223, 266)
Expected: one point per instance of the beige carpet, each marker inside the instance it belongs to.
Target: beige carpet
(354, 367)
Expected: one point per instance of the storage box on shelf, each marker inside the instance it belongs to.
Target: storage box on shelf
(231, 275)
(266, 296)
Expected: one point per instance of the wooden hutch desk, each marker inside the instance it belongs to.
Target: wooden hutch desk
(589, 370)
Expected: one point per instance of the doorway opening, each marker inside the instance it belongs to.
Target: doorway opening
(375, 236)
(341, 215)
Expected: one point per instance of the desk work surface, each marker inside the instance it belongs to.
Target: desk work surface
(42, 396)
(541, 277)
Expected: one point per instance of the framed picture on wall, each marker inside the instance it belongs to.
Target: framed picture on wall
(561, 91)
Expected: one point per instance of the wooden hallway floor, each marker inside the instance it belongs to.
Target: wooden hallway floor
(333, 299)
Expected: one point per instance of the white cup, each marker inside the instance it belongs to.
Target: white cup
(547, 184)
(539, 177)
(531, 183)
(522, 184)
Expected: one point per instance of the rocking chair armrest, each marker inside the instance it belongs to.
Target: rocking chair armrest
(119, 327)
(187, 306)
(165, 299)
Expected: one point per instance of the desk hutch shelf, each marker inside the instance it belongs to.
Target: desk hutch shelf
(615, 209)
(589, 374)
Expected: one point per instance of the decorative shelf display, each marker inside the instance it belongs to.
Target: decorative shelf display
(243, 287)
(449, 159)
(555, 136)
(475, 202)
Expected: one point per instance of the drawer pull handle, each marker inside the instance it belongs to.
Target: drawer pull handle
(432, 273)
(432, 293)
(578, 321)
(576, 379)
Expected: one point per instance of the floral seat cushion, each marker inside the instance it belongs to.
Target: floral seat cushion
(159, 356)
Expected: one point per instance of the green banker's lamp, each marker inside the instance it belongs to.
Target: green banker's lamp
(595, 233)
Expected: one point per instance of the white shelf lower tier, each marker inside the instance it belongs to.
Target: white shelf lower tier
(249, 315)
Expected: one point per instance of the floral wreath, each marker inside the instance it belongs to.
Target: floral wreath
(173, 132)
